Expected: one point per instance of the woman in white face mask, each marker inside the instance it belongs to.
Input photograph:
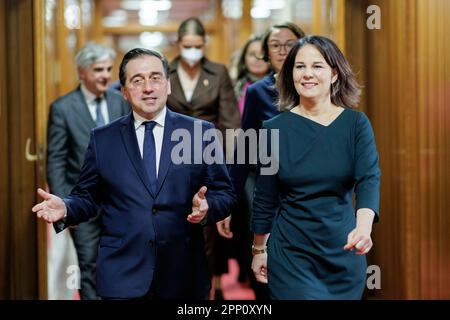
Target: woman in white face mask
(200, 87)
(203, 89)
(191, 42)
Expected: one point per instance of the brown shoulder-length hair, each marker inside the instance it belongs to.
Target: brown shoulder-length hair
(241, 67)
(345, 91)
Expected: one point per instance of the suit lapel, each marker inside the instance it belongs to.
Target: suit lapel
(178, 93)
(165, 160)
(131, 145)
(203, 86)
(113, 106)
(82, 109)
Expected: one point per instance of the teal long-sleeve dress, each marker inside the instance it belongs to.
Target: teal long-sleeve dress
(307, 206)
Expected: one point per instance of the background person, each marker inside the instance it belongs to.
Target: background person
(203, 89)
(250, 67)
(71, 119)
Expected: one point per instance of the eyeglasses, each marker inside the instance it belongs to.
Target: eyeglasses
(155, 81)
(253, 55)
(276, 46)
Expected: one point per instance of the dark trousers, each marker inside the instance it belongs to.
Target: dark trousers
(151, 294)
(86, 238)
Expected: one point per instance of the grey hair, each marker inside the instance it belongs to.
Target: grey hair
(93, 52)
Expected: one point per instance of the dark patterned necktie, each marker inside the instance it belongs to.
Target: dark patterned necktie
(149, 153)
(100, 121)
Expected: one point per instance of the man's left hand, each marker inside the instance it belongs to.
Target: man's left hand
(223, 228)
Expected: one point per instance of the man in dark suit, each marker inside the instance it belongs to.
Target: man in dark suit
(71, 119)
(153, 208)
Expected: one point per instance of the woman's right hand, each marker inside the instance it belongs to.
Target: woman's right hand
(259, 267)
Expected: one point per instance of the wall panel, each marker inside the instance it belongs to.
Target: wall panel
(407, 84)
(4, 173)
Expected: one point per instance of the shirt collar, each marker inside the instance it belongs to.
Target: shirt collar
(160, 119)
(88, 96)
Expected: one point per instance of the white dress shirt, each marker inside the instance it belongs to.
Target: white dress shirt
(187, 83)
(89, 97)
(158, 133)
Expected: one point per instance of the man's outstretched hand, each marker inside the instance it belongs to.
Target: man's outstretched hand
(199, 206)
(52, 209)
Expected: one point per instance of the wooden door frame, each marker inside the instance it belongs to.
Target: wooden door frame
(40, 81)
(4, 173)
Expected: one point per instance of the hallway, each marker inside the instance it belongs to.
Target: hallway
(403, 66)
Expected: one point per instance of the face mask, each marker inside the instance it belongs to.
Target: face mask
(191, 55)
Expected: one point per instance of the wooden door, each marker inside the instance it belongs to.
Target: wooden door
(19, 168)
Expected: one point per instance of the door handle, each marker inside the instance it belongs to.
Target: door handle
(30, 157)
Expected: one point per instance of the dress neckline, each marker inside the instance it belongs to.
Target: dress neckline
(317, 123)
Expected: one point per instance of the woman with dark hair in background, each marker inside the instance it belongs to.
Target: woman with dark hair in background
(310, 241)
(250, 68)
(203, 89)
(261, 99)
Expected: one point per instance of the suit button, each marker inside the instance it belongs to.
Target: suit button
(150, 243)
(154, 210)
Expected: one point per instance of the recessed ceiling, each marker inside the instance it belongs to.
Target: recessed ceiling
(179, 9)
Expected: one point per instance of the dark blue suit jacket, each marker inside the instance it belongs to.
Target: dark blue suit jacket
(260, 105)
(146, 236)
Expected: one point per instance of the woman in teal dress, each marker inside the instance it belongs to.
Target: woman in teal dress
(310, 240)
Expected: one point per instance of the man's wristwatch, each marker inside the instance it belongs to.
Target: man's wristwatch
(258, 250)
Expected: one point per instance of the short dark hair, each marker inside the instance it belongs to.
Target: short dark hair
(299, 33)
(136, 53)
(191, 25)
(241, 67)
(345, 91)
